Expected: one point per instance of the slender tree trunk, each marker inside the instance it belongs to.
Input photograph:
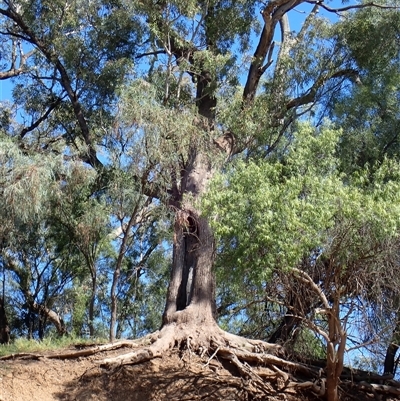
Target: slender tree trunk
(91, 303)
(335, 352)
(114, 302)
(4, 327)
(30, 322)
(117, 273)
(389, 364)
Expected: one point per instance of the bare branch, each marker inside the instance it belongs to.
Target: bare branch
(352, 7)
(272, 14)
(154, 53)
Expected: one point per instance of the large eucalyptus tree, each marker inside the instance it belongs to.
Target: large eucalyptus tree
(182, 87)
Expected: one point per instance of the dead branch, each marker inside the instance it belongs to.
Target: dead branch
(352, 7)
(74, 354)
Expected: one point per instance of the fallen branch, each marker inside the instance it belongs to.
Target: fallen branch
(377, 388)
(75, 354)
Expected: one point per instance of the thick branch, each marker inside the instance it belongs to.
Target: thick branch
(303, 276)
(49, 314)
(272, 14)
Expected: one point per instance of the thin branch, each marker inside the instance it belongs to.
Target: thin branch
(154, 53)
(65, 80)
(41, 119)
(352, 7)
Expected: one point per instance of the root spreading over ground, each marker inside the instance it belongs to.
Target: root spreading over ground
(180, 363)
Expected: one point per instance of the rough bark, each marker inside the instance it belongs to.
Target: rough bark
(191, 292)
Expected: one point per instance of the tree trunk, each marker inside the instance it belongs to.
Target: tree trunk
(113, 295)
(47, 314)
(191, 292)
(300, 303)
(190, 295)
(389, 358)
(335, 356)
(285, 329)
(4, 327)
(389, 364)
(289, 322)
(91, 304)
(30, 323)
(117, 272)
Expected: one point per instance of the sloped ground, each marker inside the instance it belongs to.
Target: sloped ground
(173, 377)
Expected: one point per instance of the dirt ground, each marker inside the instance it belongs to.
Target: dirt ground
(171, 378)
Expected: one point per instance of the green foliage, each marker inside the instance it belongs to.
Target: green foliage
(372, 37)
(308, 346)
(25, 177)
(301, 211)
(271, 214)
(48, 343)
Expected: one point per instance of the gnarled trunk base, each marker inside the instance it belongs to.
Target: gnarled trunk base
(262, 366)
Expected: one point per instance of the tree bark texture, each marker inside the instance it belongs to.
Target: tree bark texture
(191, 291)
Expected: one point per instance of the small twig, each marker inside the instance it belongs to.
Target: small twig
(211, 357)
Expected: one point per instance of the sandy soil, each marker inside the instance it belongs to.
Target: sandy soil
(171, 378)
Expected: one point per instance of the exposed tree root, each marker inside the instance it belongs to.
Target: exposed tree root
(247, 357)
(263, 367)
(77, 354)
